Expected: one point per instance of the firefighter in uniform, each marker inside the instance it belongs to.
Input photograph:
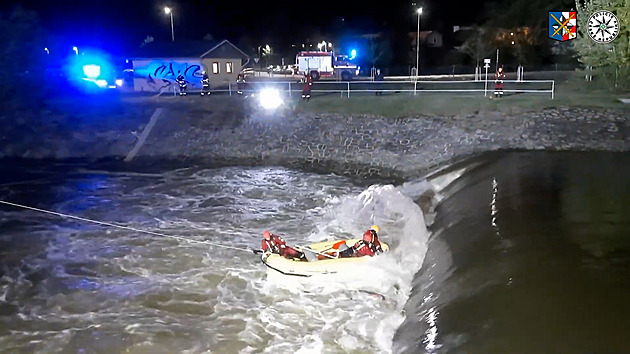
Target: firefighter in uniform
(240, 84)
(306, 89)
(181, 81)
(498, 83)
(368, 246)
(205, 84)
(275, 244)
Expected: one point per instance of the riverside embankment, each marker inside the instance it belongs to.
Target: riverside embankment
(228, 131)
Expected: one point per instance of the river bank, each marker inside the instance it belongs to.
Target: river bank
(232, 131)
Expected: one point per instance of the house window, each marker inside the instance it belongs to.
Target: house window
(228, 67)
(215, 67)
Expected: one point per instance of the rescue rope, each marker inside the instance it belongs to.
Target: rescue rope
(179, 238)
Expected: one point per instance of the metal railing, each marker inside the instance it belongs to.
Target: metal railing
(409, 87)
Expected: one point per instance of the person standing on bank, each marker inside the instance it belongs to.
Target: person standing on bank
(306, 89)
(498, 82)
(378, 78)
(181, 81)
(205, 84)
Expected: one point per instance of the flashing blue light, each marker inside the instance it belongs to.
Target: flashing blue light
(100, 83)
(92, 71)
(353, 54)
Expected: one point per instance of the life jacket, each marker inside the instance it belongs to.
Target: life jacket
(275, 244)
(364, 248)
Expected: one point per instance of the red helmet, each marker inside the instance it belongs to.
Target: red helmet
(266, 234)
(368, 236)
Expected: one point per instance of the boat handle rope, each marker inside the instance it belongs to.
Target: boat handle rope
(311, 250)
(179, 238)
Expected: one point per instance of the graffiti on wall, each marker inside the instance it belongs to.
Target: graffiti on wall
(161, 75)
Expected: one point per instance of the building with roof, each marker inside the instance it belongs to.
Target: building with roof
(156, 65)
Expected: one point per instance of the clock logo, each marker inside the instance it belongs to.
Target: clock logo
(603, 26)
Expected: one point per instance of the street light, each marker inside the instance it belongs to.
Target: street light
(419, 11)
(169, 11)
(76, 50)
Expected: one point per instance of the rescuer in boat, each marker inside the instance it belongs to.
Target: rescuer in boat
(275, 244)
(368, 246)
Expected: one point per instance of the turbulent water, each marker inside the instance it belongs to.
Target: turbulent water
(71, 286)
(528, 252)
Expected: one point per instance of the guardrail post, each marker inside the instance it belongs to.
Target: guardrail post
(553, 87)
(230, 88)
(415, 87)
(348, 88)
(289, 89)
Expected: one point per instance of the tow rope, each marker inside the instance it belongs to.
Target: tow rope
(179, 238)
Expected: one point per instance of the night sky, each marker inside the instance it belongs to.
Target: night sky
(280, 23)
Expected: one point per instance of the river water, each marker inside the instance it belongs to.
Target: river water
(527, 252)
(70, 286)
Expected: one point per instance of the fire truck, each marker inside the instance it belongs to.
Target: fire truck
(325, 64)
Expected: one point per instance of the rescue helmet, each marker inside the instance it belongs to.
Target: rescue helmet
(376, 228)
(266, 234)
(368, 236)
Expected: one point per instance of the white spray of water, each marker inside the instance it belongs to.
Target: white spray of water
(379, 288)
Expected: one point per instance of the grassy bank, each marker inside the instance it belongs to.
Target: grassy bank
(574, 92)
(439, 104)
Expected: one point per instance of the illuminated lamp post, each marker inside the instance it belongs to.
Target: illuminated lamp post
(169, 11)
(419, 12)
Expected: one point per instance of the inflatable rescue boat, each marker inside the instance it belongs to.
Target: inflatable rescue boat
(303, 268)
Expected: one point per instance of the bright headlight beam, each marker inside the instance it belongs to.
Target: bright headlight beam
(270, 98)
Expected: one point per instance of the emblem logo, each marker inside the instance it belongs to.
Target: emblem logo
(562, 25)
(603, 26)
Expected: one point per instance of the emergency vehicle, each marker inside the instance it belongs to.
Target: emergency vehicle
(325, 64)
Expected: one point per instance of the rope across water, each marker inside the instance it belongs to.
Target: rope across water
(179, 238)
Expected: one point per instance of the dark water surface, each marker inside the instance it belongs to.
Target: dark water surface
(530, 253)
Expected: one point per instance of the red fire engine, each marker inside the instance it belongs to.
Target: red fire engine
(325, 64)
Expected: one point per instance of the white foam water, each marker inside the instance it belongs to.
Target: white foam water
(98, 289)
